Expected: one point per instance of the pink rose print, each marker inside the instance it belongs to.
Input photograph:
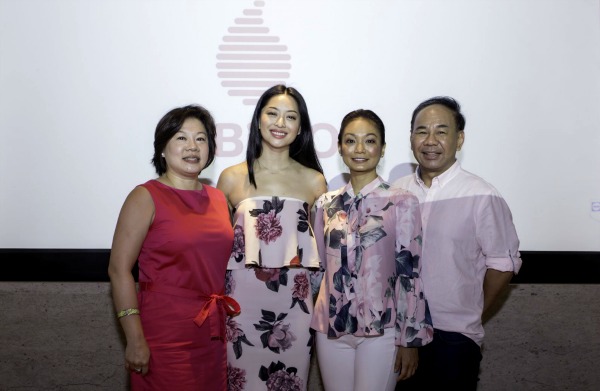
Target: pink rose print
(277, 335)
(239, 243)
(284, 381)
(300, 291)
(236, 378)
(278, 378)
(268, 227)
(266, 275)
(281, 336)
(272, 278)
(232, 330)
(229, 283)
(235, 336)
(301, 286)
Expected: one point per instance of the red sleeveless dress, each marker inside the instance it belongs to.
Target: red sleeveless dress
(183, 309)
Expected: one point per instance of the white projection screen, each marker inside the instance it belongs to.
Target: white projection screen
(83, 84)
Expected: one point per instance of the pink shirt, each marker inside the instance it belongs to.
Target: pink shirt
(467, 228)
(370, 244)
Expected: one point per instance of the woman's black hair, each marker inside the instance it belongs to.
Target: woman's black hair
(172, 122)
(366, 114)
(302, 148)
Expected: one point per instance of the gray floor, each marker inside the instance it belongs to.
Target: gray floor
(63, 336)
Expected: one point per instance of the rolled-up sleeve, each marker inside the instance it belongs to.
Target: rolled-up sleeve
(497, 235)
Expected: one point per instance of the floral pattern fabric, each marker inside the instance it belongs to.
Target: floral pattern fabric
(371, 254)
(273, 233)
(269, 343)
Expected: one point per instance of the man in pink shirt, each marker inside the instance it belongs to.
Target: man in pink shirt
(470, 247)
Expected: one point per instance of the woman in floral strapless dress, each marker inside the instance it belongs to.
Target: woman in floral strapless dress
(274, 257)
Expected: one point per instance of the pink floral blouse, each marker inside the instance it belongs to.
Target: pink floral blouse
(371, 255)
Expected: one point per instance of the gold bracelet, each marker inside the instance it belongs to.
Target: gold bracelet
(127, 312)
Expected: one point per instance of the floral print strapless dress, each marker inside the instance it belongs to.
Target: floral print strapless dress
(271, 273)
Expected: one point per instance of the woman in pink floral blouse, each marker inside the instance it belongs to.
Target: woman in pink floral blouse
(371, 314)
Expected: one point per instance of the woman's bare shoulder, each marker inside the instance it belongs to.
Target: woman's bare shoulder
(231, 175)
(315, 180)
(236, 170)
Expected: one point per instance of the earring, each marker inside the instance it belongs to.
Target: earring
(162, 154)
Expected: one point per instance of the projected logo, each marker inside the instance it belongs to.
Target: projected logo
(250, 59)
(595, 210)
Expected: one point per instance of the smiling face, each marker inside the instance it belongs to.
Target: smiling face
(186, 153)
(361, 147)
(435, 140)
(279, 121)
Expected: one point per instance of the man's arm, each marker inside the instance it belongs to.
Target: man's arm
(494, 283)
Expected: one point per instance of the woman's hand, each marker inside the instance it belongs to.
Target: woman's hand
(137, 357)
(132, 227)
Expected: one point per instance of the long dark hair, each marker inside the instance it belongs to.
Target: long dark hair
(302, 148)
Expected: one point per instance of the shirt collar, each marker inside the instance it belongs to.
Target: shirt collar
(374, 184)
(441, 179)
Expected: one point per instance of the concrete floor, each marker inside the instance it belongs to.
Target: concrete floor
(63, 336)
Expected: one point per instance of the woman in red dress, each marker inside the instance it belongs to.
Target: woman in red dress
(179, 231)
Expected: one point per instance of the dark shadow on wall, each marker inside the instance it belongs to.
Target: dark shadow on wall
(401, 170)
